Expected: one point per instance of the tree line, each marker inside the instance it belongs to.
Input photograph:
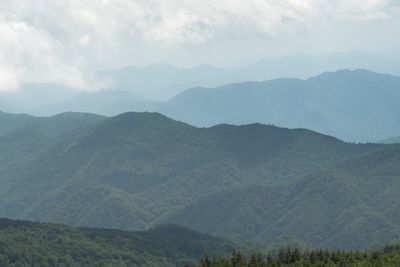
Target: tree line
(389, 256)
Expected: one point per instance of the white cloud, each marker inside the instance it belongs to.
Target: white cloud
(64, 41)
(29, 54)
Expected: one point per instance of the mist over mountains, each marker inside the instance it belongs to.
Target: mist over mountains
(160, 82)
(273, 161)
(200, 133)
(356, 106)
(163, 81)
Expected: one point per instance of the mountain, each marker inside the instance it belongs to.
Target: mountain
(160, 82)
(350, 105)
(357, 105)
(27, 243)
(253, 182)
(304, 66)
(163, 81)
(104, 102)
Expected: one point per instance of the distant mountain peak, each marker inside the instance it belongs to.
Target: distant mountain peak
(142, 116)
(132, 120)
(349, 73)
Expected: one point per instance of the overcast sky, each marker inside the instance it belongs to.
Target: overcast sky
(65, 41)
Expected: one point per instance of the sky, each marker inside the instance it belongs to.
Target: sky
(67, 41)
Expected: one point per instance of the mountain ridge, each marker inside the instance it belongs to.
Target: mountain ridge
(108, 174)
(344, 104)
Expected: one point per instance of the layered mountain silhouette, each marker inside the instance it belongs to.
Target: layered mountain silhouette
(163, 81)
(253, 182)
(358, 105)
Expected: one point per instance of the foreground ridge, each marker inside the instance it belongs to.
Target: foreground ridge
(25, 243)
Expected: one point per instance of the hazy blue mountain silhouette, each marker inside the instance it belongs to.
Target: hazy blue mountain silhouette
(354, 105)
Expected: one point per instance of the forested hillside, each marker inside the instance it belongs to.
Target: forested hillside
(253, 182)
(24, 243)
(345, 206)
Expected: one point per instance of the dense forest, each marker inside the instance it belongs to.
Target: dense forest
(253, 182)
(24, 243)
(388, 257)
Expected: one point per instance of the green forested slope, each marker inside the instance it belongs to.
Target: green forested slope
(256, 182)
(351, 205)
(24, 243)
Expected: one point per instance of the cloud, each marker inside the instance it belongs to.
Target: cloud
(65, 41)
(30, 54)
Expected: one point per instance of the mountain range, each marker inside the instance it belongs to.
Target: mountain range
(162, 81)
(357, 105)
(252, 182)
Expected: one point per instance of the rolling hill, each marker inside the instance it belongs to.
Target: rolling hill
(25, 243)
(253, 182)
(359, 105)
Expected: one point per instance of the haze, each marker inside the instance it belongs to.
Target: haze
(67, 42)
